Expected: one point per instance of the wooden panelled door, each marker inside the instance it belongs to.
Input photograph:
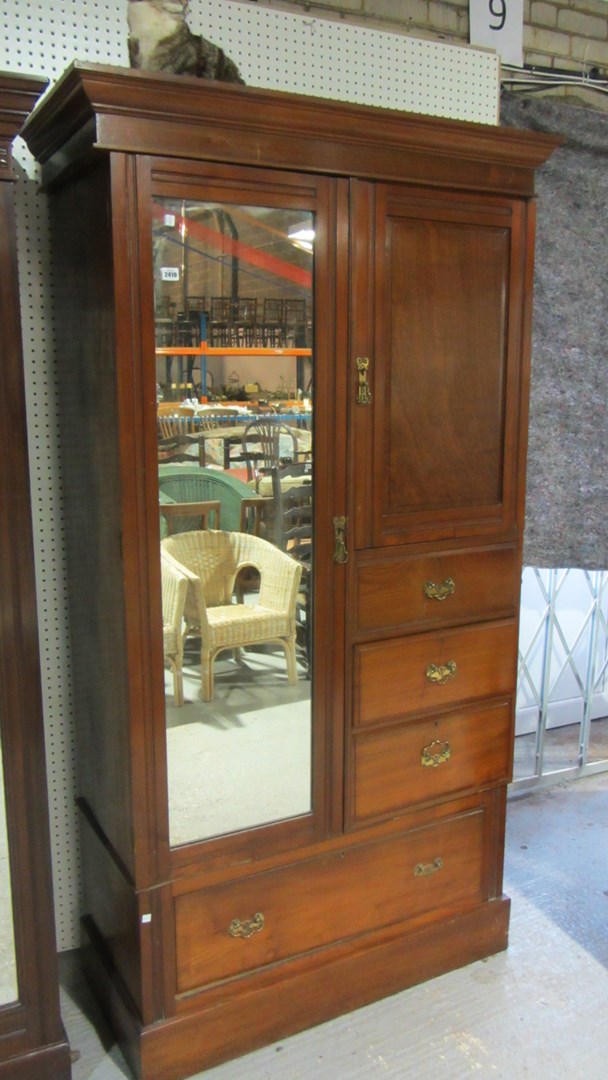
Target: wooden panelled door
(440, 328)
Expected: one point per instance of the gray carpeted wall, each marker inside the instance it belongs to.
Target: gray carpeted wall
(567, 486)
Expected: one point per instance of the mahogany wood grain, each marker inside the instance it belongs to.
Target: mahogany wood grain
(446, 399)
(92, 508)
(484, 583)
(310, 906)
(228, 1025)
(392, 681)
(337, 502)
(358, 972)
(114, 108)
(446, 327)
(391, 770)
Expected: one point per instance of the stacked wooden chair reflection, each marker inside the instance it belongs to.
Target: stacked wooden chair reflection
(212, 560)
(272, 322)
(232, 322)
(244, 330)
(272, 328)
(294, 323)
(267, 444)
(182, 432)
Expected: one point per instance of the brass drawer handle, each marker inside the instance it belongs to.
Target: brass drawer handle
(247, 927)
(439, 592)
(436, 753)
(440, 673)
(426, 869)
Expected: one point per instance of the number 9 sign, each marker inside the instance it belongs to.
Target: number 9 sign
(498, 24)
(499, 9)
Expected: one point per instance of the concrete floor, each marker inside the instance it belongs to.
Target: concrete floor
(561, 749)
(539, 1010)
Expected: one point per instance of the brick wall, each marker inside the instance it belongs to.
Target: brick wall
(567, 34)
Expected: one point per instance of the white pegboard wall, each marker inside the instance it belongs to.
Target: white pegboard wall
(42, 38)
(273, 49)
(45, 483)
(334, 59)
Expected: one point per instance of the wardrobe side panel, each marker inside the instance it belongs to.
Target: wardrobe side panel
(86, 378)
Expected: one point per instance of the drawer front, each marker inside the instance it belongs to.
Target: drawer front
(400, 766)
(443, 588)
(230, 929)
(411, 675)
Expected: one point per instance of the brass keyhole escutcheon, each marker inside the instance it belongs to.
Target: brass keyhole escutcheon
(364, 394)
(247, 927)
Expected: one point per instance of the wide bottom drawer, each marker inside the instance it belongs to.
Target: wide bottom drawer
(268, 917)
(412, 763)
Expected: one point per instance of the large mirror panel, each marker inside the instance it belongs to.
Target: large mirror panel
(234, 368)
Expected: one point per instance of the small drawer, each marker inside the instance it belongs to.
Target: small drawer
(405, 676)
(401, 766)
(266, 918)
(444, 588)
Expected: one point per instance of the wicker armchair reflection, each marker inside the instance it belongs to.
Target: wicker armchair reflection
(175, 581)
(212, 561)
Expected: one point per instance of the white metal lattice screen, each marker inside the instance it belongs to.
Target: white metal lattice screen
(273, 49)
(562, 697)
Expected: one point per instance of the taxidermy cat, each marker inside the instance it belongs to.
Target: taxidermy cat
(160, 40)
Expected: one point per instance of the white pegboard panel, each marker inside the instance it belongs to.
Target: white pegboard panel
(45, 482)
(42, 38)
(276, 50)
(335, 59)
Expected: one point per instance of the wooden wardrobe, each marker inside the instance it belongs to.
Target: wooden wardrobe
(33, 1045)
(390, 870)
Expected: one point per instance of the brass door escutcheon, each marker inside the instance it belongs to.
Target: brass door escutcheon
(426, 869)
(440, 673)
(364, 394)
(340, 552)
(435, 754)
(439, 592)
(247, 927)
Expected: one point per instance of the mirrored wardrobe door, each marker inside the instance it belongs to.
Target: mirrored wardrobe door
(234, 278)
